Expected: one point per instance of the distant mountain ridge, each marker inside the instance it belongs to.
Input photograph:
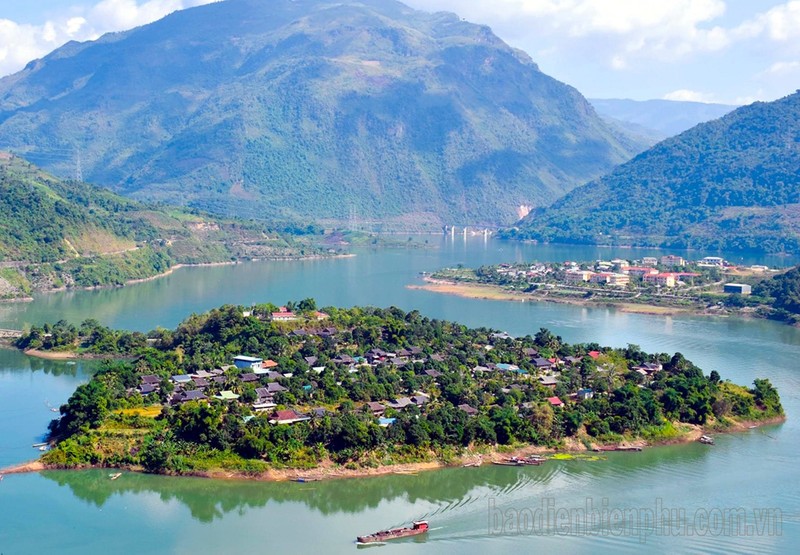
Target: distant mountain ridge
(367, 112)
(658, 119)
(732, 183)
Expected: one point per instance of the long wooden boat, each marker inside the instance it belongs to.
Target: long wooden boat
(417, 527)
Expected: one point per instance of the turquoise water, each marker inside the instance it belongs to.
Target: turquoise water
(469, 509)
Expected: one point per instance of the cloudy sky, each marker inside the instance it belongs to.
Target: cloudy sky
(730, 51)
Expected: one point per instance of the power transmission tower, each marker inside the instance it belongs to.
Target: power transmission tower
(78, 169)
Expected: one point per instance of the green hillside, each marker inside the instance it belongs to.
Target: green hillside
(733, 183)
(366, 111)
(55, 233)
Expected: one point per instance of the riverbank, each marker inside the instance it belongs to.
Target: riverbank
(496, 293)
(170, 271)
(573, 449)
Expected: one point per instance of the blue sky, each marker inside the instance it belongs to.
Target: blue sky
(730, 51)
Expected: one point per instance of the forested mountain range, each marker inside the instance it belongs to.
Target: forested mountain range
(56, 233)
(732, 183)
(368, 112)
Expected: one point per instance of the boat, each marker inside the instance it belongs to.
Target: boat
(471, 464)
(513, 461)
(417, 527)
(706, 440)
(115, 475)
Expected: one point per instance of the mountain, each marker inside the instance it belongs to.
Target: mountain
(657, 119)
(56, 234)
(732, 183)
(364, 111)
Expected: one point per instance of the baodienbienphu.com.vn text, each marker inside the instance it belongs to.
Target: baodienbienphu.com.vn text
(600, 518)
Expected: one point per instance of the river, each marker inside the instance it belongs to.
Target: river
(613, 505)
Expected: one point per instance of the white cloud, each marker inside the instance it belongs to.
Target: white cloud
(783, 68)
(621, 31)
(687, 95)
(21, 43)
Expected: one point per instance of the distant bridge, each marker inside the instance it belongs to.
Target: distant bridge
(10, 334)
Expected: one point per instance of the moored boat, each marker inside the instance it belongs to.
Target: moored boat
(417, 527)
(706, 440)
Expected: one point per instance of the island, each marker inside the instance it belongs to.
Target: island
(298, 392)
(668, 284)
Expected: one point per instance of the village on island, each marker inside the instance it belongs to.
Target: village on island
(248, 391)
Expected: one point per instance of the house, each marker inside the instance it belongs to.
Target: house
(578, 276)
(284, 315)
(249, 377)
(375, 408)
(594, 354)
(737, 288)
(468, 409)
(243, 361)
(542, 363)
(549, 381)
(181, 378)
(420, 399)
(672, 260)
(269, 364)
(311, 361)
(288, 416)
(227, 396)
(184, 396)
(504, 367)
(649, 261)
(200, 383)
(648, 367)
(433, 373)
(611, 278)
(712, 261)
(555, 402)
(584, 394)
(386, 422)
(151, 379)
(662, 280)
(530, 352)
(640, 271)
(401, 403)
(148, 388)
(274, 388)
(573, 361)
(320, 315)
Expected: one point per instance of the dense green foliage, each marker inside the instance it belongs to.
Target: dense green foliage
(783, 294)
(733, 183)
(56, 233)
(98, 426)
(312, 109)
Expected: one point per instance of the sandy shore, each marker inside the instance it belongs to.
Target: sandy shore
(328, 470)
(495, 293)
(51, 355)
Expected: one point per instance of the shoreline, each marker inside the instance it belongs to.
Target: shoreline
(327, 471)
(172, 269)
(495, 293)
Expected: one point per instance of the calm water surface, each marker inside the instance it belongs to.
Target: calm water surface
(470, 509)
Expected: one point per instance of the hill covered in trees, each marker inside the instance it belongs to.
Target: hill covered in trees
(364, 387)
(733, 183)
(55, 233)
(368, 111)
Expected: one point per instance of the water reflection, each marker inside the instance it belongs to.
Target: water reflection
(448, 491)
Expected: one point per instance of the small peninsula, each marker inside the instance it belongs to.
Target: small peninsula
(284, 392)
(666, 285)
